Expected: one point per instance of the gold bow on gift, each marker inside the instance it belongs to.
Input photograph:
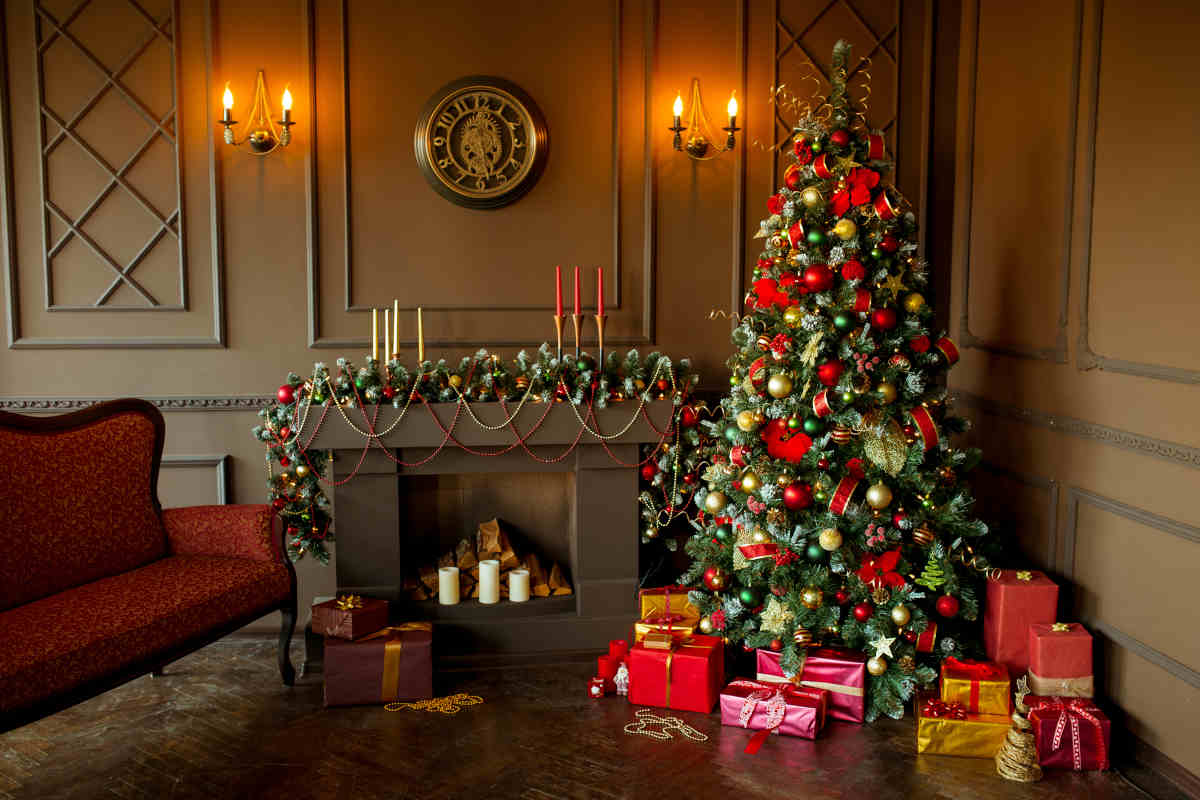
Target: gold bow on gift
(1061, 627)
(1024, 575)
(349, 602)
(393, 647)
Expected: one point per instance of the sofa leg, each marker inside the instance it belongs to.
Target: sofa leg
(286, 670)
(156, 673)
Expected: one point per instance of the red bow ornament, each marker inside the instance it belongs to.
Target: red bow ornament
(940, 710)
(803, 149)
(881, 570)
(780, 346)
(856, 190)
(766, 294)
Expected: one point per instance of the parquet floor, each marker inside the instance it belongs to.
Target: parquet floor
(220, 725)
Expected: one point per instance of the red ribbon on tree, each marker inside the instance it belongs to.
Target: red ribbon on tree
(862, 299)
(858, 186)
(875, 148)
(841, 495)
(941, 710)
(1070, 711)
(822, 167)
(926, 426)
(947, 348)
(821, 405)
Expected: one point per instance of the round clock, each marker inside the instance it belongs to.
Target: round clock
(481, 142)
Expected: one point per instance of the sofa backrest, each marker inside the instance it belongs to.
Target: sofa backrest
(79, 497)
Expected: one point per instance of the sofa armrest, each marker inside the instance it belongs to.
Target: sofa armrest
(234, 531)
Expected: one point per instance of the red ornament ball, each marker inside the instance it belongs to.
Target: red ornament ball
(797, 496)
(884, 318)
(864, 611)
(947, 606)
(853, 270)
(649, 471)
(663, 384)
(909, 430)
(286, 395)
(822, 463)
(909, 636)
(284, 461)
(818, 278)
(829, 372)
(690, 478)
(841, 597)
(919, 344)
(279, 503)
(715, 579)
(900, 520)
(792, 179)
(840, 137)
(293, 531)
(738, 455)
(889, 243)
(389, 392)
(285, 432)
(688, 417)
(776, 645)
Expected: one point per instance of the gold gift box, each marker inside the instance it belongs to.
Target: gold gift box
(977, 736)
(676, 630)
(993, 694)
(672, 602)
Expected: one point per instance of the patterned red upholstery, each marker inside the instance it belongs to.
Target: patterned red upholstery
(78, 505)
(59, 642)
(234, 531)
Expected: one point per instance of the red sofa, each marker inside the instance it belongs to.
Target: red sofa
(98, 584)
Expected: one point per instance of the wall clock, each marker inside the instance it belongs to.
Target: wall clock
(481, 142)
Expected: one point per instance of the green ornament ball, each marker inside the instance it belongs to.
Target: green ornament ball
(927, 503)
(749, 597)
(812, 426)
(582, 364)
(820, 496)
(814, 552)
(731, 433)
(733, 380)
(847, 397)
(816, 146)
(318, 397)
(815, 237)
(793, 423)
(842, 322)
(722, 533)
(876, 253)
(360, 382)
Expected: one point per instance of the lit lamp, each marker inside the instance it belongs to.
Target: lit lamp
(260, 131)
(697, 145)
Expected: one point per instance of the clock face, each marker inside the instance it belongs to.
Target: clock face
(481, 142)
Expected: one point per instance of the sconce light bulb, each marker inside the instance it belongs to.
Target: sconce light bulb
(677, 109)
(228, 98)
(287, 99)
(732, 108)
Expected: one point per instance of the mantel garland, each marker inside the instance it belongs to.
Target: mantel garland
(297, 491)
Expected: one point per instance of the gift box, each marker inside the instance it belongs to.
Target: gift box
(1016, 599)
(395, 663)
(685, 676)
(949, 729)
(841, 672)
(1069, 732)
(774, 708)
(1060, 660)
(349, 617)
(666, 610)
(982, 687)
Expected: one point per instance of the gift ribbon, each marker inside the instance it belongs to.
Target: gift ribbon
(841, 496)
(1070, 712)
(874, 146)
(392, 650)
(676, 645)
(774, 700)
(820, 404)
(798, 678)
(1024, 575)
(1083, 686)
(1060, 627)
(974, 671)
(939, 709)
(349, 602)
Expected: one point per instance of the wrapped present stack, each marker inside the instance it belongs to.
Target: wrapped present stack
(491, 541)
(684, 673)
(1016, 599)
(970, 717)
(368, 661)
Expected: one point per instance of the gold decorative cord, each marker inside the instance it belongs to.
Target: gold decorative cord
(647, 718)
(451, 704)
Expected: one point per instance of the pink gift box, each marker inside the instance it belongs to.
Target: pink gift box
(774, 708)
(841, 672)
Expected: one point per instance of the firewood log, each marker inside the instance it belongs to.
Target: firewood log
(429, 578)
(464, 554)
(538, 587)
(558, 581)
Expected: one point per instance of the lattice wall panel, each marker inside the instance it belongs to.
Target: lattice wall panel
(107, 85)
(805, 32)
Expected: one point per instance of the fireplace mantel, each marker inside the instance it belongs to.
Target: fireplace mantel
(603, 520)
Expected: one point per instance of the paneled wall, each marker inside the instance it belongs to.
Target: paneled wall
(1074, 295)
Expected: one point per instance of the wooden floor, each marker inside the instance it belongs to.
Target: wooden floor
(220, 725)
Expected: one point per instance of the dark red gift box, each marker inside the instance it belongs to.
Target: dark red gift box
(349, 617)
(1070, 732)
(395, 663)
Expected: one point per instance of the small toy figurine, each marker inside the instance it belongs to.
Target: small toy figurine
(622, 679)
(596, 688)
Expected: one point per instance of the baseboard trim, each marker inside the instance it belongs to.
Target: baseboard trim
(1147, 755)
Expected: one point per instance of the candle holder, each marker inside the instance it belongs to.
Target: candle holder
(558, 331)
(577, 322)
(600, 341)
(264, 134)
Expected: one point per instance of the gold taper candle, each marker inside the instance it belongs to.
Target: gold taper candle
(395, 328)
(375, 333)
(420, 337)
(387, 335)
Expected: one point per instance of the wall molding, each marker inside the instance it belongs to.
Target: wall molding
(969, 69)
(205, 403)
(614, 290)
(1174, 527)
(1052, 489)
(1086, 358)
(1173, 452)
(219, 464)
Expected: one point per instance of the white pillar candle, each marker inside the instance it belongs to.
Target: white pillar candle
(489, 581)
(518, 585)
(448, 586)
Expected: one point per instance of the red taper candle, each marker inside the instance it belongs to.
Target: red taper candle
(558, 291)
(600, 291)
(577, 290)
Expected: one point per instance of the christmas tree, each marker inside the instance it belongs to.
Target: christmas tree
(834, 484)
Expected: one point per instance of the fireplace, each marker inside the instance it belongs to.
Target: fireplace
(580, 509)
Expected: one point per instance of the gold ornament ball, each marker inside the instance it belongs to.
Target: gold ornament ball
(877, 665)
(784, 480)
(779, 386)
(760, 536)
(886, 392)
(802, 637)
(759, 417)
(651, 532)
(301, 470)
(901, 615)
(811, 597)
(924, 536)
(456, 381)
(841, 434)
(751, 482)
(746, 421)
(715, 501)
(914, 303)
(861, 384)
(706, 626)
(811, 197)
(793, 314)
(830, 539)
(879, 495)
(763, 342)
(845, 229)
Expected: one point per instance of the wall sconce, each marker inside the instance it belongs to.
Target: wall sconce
(697, 146)
(262, 135)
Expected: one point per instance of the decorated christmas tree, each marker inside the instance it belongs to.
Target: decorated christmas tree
(834, 487)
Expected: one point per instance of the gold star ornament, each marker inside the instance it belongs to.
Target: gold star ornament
(776, 616)
(883, 646)
(893, 284)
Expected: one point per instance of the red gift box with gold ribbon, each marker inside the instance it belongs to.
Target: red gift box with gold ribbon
(1069, 732)
(681, 674)
(349, 616)
(395, 663)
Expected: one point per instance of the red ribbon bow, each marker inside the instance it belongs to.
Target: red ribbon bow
(859, 184)
(938, 709)
(1070, 711)
(775, 697)
(975, 670)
